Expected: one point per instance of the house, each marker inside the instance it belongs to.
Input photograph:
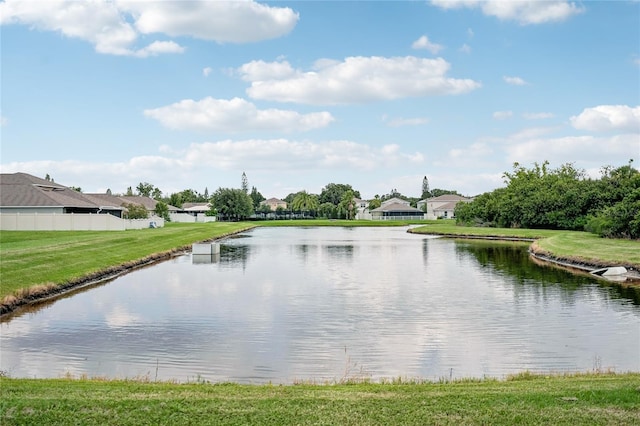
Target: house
(24, 193)
(395, 200)
(194, 209)
(362, 209)
(441, 207)
(396, 210)
(274, 203)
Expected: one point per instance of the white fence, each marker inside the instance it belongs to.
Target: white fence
(189, 218)
(73, 222)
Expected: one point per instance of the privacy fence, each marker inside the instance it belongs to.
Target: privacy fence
(73, 222)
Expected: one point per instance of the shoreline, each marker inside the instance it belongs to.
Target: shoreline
(32, 296)
(571, 264)
(40, 294)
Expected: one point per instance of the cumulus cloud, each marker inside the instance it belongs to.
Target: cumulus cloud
(3, 121)
(585, 150)
(354, 80)
(214, 160)
(206, 71)
(514, 81)
(524, 12)
(113, 27)
(537, 115)
(424, 43)
(502, 115)
(465, 48)
(234, 115)
(608, 118)
(401, 122)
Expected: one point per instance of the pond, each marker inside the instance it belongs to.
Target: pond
(283, 305)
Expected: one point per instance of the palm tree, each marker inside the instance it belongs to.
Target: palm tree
(305, 202)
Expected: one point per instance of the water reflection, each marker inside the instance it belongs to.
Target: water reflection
(312, 304)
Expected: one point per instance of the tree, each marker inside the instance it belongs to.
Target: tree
(76, 188)
(136, 211)
(375, 203)
(334, 192)
(145, 189)
(347, 206)
(438, 192)
(305, 203)
(256, 198)
(108, 191)
(129, 192)
(245, 183)
(48, 178)
(162, 210)
(232, 204)
(327, 210)
(426, 193)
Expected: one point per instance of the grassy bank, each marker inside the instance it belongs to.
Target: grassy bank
(531, 400)
(31, 262)
(29, 258)
(582, 247)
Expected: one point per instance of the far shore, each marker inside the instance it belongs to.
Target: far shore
(54, 263)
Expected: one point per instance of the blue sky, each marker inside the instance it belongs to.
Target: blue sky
(191, 94)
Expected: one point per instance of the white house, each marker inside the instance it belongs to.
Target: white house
(441, 207)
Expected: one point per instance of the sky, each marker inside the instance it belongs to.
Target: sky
(190, 94)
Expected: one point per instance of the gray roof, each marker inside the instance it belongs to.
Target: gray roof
(447, 206)
(397, 207)
(24, 190)
(446, 198)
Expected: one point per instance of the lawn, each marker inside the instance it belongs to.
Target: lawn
(576, 245)
(529, 400)
(29, 258)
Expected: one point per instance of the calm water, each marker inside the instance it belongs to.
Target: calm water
(290, 304)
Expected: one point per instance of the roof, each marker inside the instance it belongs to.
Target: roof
(397, 207)
(447, 206)
(446, 198)
(24, 190)
(196, 207)
(395, 200)
(273, 200)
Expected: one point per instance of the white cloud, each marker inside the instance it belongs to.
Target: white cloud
(159, 47)
(206, 71)
(221, 21)
(465, 48)
(354, 80)
(514, 81)
(424, 43)
(400, 122)
(471, 153)
(502, 115)
(113, 27)
(234, 115)
(210, 164)
(586, 151)
(3, 121)
(524, 12)
(608, 117)
(537, 115)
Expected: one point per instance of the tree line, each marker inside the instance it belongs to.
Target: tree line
(561, 198)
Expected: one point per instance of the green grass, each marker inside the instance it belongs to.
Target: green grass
(575, 245)
(528, 400)
(29, 258)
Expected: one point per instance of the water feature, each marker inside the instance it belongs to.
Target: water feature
(325, 304)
